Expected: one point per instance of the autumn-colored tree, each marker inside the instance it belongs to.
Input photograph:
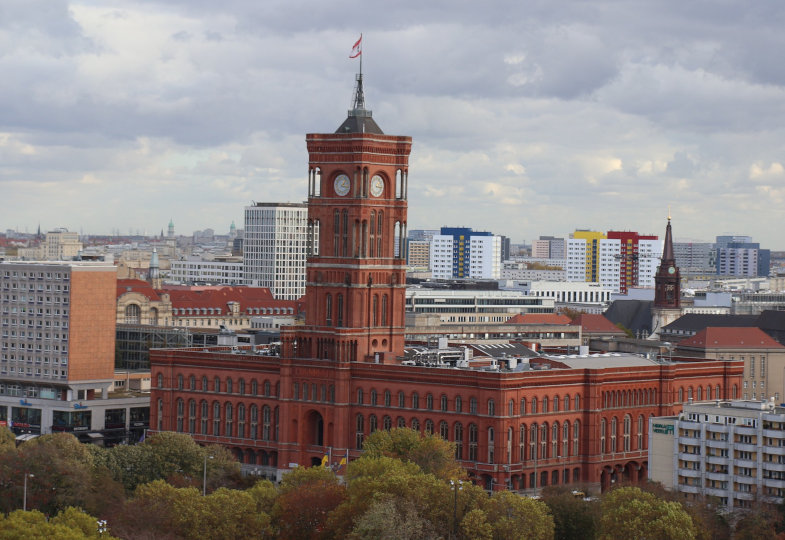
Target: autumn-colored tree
(514, 517)
(630, 512)
(306, 497)
(72, 524)
(574, 518)
(264, 494)
(431, 453)
(475, 526)
(755, 524)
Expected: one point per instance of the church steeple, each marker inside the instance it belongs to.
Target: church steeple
(667, 282)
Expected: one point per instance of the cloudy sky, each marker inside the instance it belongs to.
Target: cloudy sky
(528, 117)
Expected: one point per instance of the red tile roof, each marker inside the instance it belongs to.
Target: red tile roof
(731, 337)
(139, 286)
(539, 318)
(596, 324)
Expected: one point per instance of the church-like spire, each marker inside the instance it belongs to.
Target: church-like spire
(667, 249)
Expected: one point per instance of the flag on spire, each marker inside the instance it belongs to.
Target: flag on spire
(357, 50)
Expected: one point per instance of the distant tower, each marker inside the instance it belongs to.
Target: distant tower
(356, 277)
(667, 287)
(170, 232)
(154, 276)
(232, 231)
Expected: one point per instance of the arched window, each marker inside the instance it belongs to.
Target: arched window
(328, 309)
(490, 445)
(359, 396)
(192, 383)
(160, 380)
(241, 420)
(372, 423)
(205, 417)
(387, 398)
(511, 408)
(241, 386)
(603, 433)
(545, 404)
(267, 388)
(254, 422)
(401, 422)
(373, 397)
(458, 433)
(229, 431)
(681, 395)
(567, 402)
(491, 408)
(472, 442)
(415, 424)
(576, 440)
(523, 406)
(387, 423)
(133, 314)
(401, 400)
(216, 418)
(566, 438)
(204, 384)
(614, 433)
(254, 388)
(443, 403)
(473, 405)
(458, 404)
(216, 385)
(534, 405)
(522, 443)
(429, 402)
(577, 402)
(339, 309)
(375, 311)
(266, 422)
(180, 414)
(428, 427)
(192, 416)
(544, 440)
(359, 432)
(627, 430)
(640, 433)
(556, 404)
(229, 386)
(384, 307)
(555, 439)
(415, 400)
(444, 430)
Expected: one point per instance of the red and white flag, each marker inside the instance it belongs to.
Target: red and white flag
(357, 50)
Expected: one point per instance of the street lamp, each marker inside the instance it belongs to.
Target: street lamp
(24, 496)
(456, 487)
(204, 476)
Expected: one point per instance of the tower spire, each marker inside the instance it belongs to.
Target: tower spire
(359, 119)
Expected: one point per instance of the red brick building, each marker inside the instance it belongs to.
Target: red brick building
(517, 420)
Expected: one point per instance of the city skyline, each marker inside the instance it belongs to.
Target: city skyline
(603, 115)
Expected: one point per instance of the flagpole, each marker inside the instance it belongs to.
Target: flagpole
(361, 57)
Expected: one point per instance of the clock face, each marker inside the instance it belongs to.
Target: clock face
(671, 270)
(342, 185)
(377, 185)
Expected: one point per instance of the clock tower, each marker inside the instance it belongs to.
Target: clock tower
(667, 287)
(356, 277)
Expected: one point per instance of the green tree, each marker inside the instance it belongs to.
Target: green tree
(392, 518)
(264, 493)
(370, 479)
(7, 439)
(431, 453)
(78, 520)
(574, 518)
(630, 512)
(306, 497)
(516, 517)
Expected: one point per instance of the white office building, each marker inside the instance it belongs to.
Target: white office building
(459, 254)
(274, 248)
(732, 450)
(220, 271)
